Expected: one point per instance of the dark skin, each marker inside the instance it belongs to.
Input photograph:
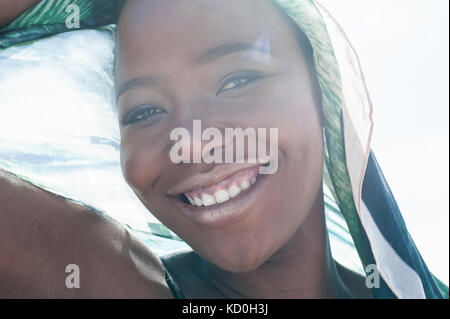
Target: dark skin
(248, 257)
(9, 11)
(39, 236)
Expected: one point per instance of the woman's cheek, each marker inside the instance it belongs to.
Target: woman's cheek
(140, 163)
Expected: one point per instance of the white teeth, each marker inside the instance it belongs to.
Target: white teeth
(245, 185)
(191, 201)
(208, 200)
(221, 196)
(198, 201)
(234, 190)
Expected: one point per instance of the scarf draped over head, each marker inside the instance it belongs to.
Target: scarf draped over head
(355, 186)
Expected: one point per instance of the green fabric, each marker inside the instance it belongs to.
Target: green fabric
(442, 287)
(49, 17)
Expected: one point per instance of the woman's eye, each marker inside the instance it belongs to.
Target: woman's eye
(141, 114)
(239, 80)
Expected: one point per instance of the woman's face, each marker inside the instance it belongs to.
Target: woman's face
(230, 64)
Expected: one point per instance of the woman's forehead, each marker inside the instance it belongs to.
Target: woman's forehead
(215, 10)
(184, 24)
(185, 29)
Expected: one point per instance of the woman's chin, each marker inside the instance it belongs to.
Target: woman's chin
(240, 266)
(241, 262)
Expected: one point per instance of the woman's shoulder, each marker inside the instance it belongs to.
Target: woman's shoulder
(42, 236)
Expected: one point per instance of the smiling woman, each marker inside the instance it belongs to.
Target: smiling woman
(282, 65)
(277, 94)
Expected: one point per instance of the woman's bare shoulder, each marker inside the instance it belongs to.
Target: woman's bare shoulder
(43, 237)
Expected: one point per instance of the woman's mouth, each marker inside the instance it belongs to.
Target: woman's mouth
(224, 201)
(225, 190)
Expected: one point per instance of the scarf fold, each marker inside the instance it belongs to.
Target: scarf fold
(351, 173)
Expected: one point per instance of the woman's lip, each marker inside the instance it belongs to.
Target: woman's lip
(216, 175)
(225, 213)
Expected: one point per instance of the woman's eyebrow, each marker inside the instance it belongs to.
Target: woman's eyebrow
(135, 84)
(207, 56)
(212, 54)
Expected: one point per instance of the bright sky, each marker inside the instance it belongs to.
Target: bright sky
(404, 51)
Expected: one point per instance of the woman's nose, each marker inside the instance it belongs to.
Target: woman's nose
(196, 142)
